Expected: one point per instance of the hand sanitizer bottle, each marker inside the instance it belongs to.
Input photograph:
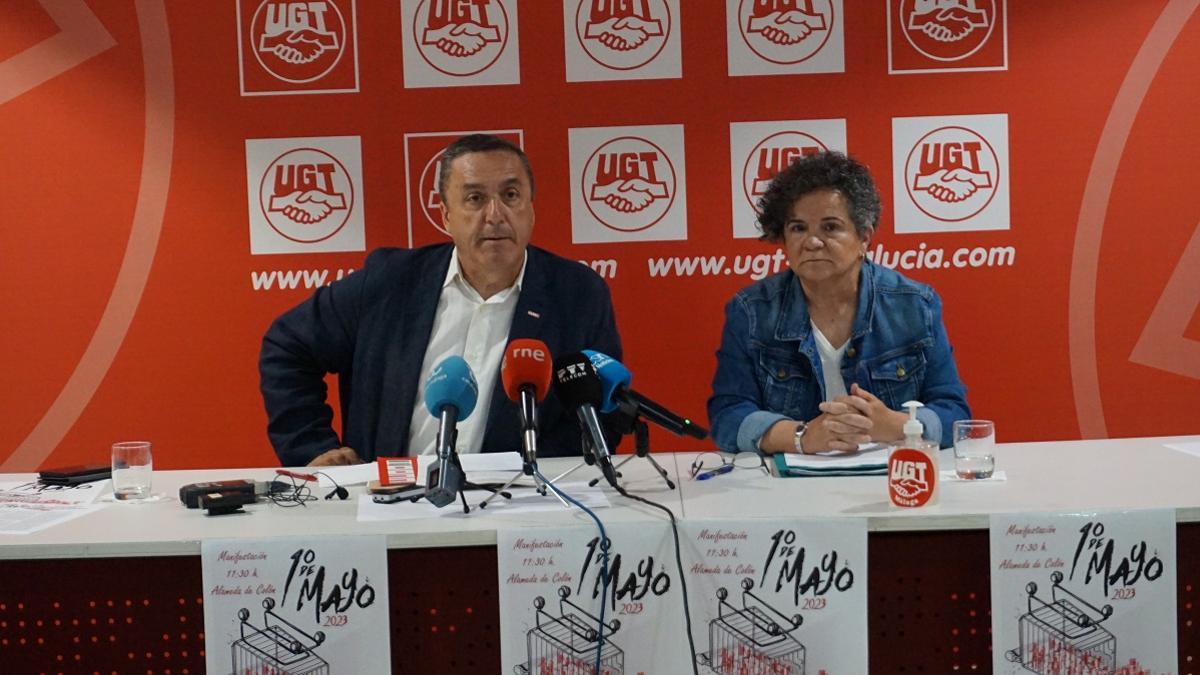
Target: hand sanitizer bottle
(913, 465)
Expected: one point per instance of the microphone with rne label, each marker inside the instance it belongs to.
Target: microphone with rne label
(579, 388)
(450, 395)
(615, 393)
(525, 374)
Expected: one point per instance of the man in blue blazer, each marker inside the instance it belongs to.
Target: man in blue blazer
(384, 328)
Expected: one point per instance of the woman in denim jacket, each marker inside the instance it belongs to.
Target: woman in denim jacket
(821, 356)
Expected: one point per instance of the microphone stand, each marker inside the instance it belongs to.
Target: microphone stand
(464, 484)
(589, 459)
(641, 440)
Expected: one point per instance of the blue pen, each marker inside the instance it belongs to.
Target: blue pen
(724, 468)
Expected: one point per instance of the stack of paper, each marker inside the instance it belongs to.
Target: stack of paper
(870, 460)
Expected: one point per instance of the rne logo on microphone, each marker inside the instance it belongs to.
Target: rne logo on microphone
(760, 150)
(781, 36)
(303, 195)
(951, 173)
(621, 39)
(459, 42)
(941, 35)
(629, 184)
(422, 172)
(529, 353)
(297, 47)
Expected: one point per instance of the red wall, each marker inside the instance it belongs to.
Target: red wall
(125, 252)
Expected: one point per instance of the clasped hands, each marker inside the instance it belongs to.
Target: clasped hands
(850, 420)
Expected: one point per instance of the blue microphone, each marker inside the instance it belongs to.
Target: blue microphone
(615, 379)
(450, 395)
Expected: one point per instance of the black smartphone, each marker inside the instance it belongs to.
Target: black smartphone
(409, 494)
(74, 475)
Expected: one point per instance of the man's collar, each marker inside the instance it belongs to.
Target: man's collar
(454, 271)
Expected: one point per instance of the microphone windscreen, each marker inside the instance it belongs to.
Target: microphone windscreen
(451, 383)
(612, 374)
(526, 362)
(576, 382)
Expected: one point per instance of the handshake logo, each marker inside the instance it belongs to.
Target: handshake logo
(622, 34)
(951, 173)
(298, 41)
(946, 20)
(306, 195)
(785, 31)
(949, 167)
(630, 184)
(460, 37)
(623, 176)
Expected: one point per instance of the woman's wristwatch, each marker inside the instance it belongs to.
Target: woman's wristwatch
(798, 436)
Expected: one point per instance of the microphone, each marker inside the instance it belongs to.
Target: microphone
(615, 379)
(525, 373)
(450, 394)
(579, 388)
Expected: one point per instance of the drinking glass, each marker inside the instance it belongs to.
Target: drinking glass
(974, 449)
(132, 468)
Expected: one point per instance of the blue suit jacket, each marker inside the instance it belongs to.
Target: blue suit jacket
(372, 328)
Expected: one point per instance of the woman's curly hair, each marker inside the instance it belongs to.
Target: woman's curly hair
(821, 171)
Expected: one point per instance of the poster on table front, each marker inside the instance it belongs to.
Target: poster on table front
(558, 616)
(781, 596)
(1084, 593)
(301, 606)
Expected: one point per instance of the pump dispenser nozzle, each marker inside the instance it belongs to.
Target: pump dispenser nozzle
(913, 429)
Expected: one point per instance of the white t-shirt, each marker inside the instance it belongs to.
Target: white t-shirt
(831, 364)
(465, 325)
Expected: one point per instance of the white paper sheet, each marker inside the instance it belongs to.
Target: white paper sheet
(296, 605)
(356, 474)
(868, 455)
(27, 506)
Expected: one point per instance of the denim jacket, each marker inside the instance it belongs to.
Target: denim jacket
(768, 367)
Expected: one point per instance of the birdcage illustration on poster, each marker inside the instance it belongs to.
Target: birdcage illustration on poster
(278, 648)
(754, 639)
(566, 644)
(1064, 635)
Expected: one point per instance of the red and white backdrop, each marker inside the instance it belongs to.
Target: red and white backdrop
(177, 174)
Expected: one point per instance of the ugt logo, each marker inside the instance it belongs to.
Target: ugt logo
(785, 31)
(772, 155)
(460, 37)
(628, 184)
(622, 34)
(306, 195)
(911, 477)
(947, 30)
(298, 42)
(952, 173)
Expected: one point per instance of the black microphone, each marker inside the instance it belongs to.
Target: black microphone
(450, 395)
(578, 387)
(616, 394)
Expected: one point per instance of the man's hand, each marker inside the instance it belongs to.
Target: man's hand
(337, 457)
(886, 424)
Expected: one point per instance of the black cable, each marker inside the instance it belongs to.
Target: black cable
(687, 611)
(296, 495)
